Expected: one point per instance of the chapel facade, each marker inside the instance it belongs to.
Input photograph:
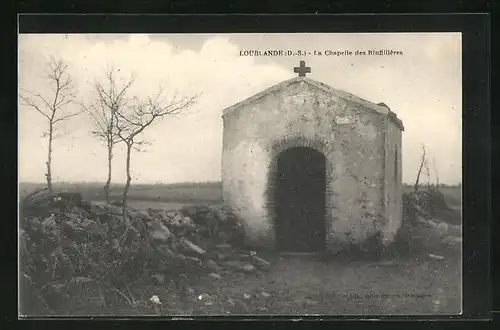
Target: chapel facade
(309, 168)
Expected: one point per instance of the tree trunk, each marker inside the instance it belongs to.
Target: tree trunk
(127, 184)
(108, 182)
(48, 175)
(418, 178)
(422, 163)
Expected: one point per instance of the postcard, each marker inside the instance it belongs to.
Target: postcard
(240, 174)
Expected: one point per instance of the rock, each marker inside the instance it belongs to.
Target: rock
(260, 263)
(159, 278)
(247, 296)
(159, 231)
(221, 256)
(248, 268)
(190, 210)
(218, 212)
(215, 275)
(452, 240)
(72, 216)
(194, 260)
(49, 222)
(96, 210)
(174, 219)
(180, 222)
(233, 264)
(174, 214)
(432, 223)
(138, 214)
(89, 225)
(112, 209)
(69, 199)
(223, 246)
(443, 227)
(177, 218)
(434, 256)
(265, 294)
(206, 299)
(204, 296)
(242, 256)
(311, 302)
(192, 247)
(212, 265)
(165, 250)
(187, 221)
(155, 300)
(223, 236)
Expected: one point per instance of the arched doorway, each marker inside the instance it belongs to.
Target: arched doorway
(300, 185)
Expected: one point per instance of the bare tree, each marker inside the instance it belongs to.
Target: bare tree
(423, 161)
(435, 171)
(134, 119)
(428, 174)
(54, 106)
(110, 97)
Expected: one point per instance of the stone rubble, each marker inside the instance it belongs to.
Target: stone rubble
(96, 241)
(423, 227)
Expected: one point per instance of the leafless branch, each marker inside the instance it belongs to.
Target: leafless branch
(428, 173)
(62, 118)
(109, 98)
(31, 103)
(54, 108)
(423, 160)
(142, 114)
(139, 144)
(133, 120)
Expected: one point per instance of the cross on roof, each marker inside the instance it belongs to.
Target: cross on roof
(302, 69)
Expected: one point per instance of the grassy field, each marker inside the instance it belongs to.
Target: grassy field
(166, 193)
(183, 192)
(452, 195)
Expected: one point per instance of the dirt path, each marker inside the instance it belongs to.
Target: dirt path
(306, 285)
(303, 285)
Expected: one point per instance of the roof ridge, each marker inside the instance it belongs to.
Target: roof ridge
(380, 107)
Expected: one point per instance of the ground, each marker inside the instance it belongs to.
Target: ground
(298, 285)
(304, 285)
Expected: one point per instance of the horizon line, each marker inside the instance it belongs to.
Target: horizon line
(184, 182)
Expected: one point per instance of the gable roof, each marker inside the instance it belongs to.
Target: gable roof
(381, 108)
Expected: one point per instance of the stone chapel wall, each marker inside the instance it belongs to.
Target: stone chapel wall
(350, 136)
(394, 185)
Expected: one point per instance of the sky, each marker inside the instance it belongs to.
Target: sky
(423, 87)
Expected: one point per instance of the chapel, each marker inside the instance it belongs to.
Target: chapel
(310, 168)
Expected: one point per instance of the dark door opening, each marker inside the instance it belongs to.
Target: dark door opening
(300, 200)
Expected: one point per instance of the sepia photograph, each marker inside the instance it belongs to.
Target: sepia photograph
(245, 174)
